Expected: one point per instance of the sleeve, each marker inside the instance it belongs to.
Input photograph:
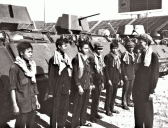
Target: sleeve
(123, 74)
(35, 89)
(13, 79)
(154, 73)
(51, 77)
(106, 61)
(75, 71)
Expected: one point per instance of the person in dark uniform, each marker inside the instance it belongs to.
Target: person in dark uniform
(60, 71)
(23, 87)
(81, 81)
(128, 73)
(113, 77)
(146, 77)
(98, 80)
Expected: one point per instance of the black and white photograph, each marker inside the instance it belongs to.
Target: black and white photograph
(83, 64)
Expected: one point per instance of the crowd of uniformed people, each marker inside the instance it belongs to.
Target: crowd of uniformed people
(86, 75)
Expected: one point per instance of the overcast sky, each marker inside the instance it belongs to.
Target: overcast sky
(108, 9)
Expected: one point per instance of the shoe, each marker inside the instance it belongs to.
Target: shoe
(125, 107)
(87, 124)
(93, 120)
(109, 113)
(98, 116)
(131, 105)
(115, 111)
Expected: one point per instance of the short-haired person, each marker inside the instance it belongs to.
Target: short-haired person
(23, 87)
(81, 81)
(98, 80)
(146, 77)
(60, 71)
(113, 77)
(128, 73)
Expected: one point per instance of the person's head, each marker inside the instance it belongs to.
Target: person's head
(61, 44)
(83, 47)
(144, 40)
(114, 46)
(98, 48)
(25, 50)
(129, 46)
(137, 48)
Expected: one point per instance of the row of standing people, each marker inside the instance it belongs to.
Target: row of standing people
(79, 77)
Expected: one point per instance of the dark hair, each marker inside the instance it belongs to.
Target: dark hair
(60, 42)
(113, 44)
(82, 43)
(21, 47)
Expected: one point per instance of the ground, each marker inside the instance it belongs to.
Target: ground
(126, 118)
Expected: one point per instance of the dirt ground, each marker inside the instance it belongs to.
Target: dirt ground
(126, 118)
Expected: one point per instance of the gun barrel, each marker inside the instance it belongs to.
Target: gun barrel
(88, 16)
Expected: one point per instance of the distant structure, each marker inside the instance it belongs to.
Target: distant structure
(135, 7)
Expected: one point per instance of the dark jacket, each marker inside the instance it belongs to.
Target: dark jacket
(58, 83)
(25, 90)
(146, 77)
(86, 80)
(111, 73)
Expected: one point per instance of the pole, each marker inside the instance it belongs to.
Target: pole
(44, 14)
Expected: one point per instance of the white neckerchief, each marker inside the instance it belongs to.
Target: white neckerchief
(30, 73)
(62, 62)
(99, 63)
(126, 57)
(81, 65)
(148, 57)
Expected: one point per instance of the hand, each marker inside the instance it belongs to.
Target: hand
(92, 87)
(102, 86)
(38, 105)
(126, 78)
(121, 82)
(80, 90)
(69, 92)
(151, 96)
(110, 82)
(15, 110)
(50, 96)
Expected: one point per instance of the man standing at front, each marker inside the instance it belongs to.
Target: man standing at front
(98, 80)
(113, 77)
(81, 81)
(128, 73)
(146, 78)
(23, 87)
(60, 78)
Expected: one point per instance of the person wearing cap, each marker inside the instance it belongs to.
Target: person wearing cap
(128, 73)
(113, 77)
(98, 80)
(23, 87)
(81, 82)
(60, 72)
(146, 77)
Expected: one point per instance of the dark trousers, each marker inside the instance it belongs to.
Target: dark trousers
(27, 119)
(126, 92)
(59, 111)
(80, 108)
(111, 93)
(143, 111)
(95, 101)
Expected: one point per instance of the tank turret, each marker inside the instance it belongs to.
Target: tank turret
(73, 23)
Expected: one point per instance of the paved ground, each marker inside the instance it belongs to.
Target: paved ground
(126, 118)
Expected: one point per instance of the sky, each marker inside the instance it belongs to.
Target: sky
(108, 9)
